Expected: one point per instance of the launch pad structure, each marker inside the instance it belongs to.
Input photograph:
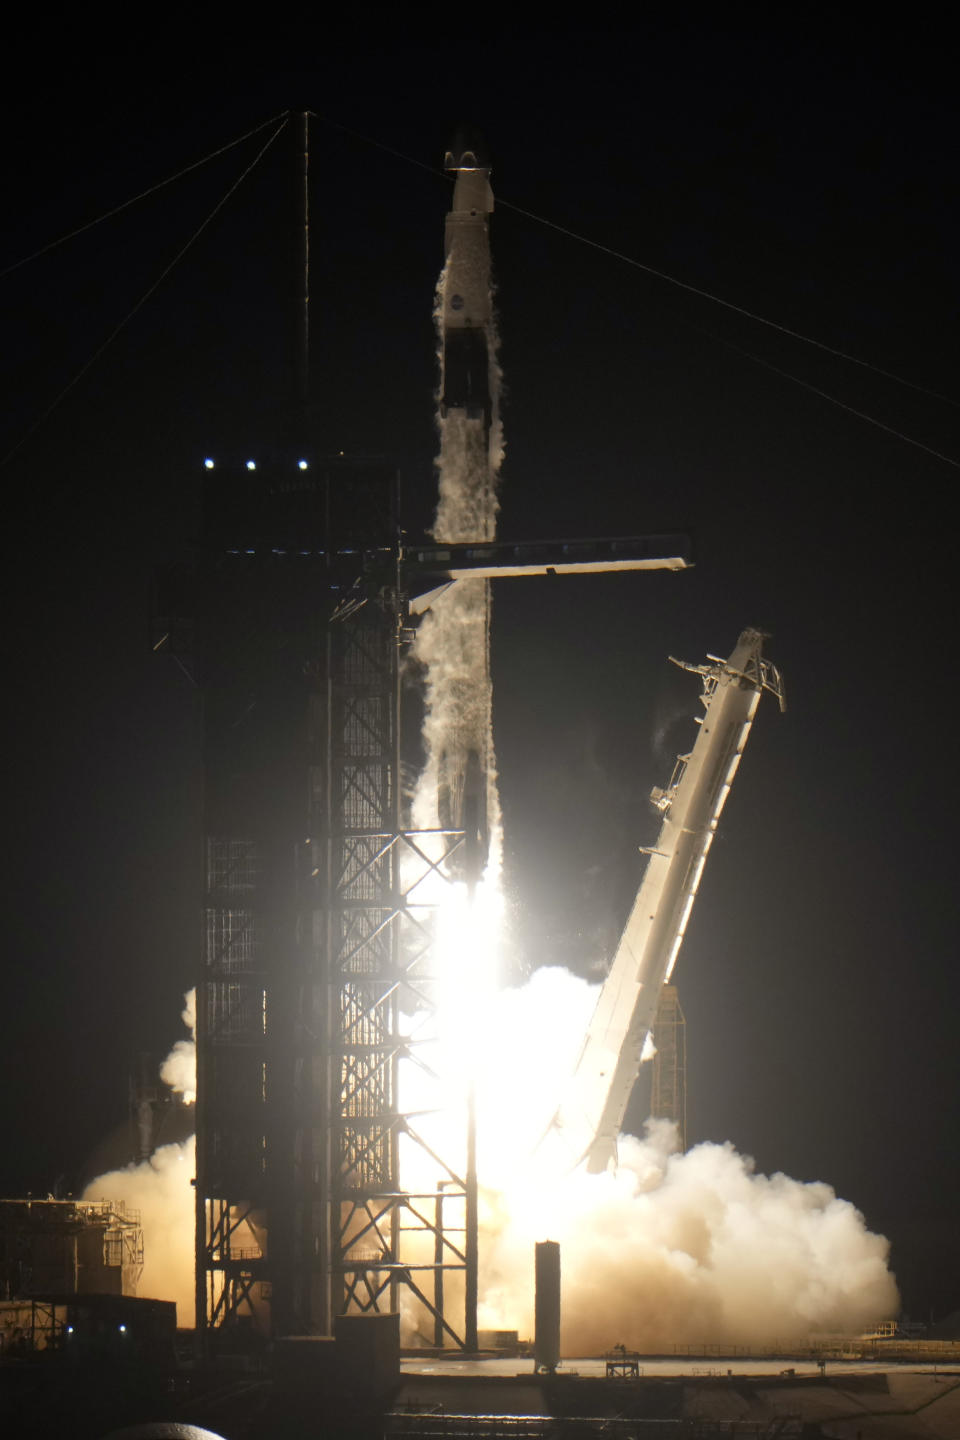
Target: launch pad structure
(318, 941)
(318, 974)
(314, 944)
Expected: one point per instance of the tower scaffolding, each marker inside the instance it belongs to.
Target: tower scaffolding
(317, 983)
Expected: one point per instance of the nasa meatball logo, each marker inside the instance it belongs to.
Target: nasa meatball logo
(456, 302)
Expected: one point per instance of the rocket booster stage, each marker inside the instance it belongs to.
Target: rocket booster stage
(454, 639)
(591, 1113)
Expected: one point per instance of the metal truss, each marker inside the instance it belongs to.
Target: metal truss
(374, 893)
(317, 989)
(231, 1065)
(390, 1238)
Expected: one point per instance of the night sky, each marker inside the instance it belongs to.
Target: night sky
(804, 178)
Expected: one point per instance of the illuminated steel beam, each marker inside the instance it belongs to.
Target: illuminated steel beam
(588, 1120)
(495, 560)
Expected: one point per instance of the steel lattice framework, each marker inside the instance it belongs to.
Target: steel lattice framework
(317, 984)
(377, 932)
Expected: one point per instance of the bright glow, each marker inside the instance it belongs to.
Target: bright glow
(467, 950)
(122, 1329)
(208, 463)
(301, 464)
(251, 464)
(716, 1250)
(450, 1054)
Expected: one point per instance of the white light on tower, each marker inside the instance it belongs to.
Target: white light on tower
(208, 463)
(251, 464)
(301, 464)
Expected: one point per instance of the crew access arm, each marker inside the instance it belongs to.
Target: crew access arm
(588, 1120)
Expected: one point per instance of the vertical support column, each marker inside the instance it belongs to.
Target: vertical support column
(668, 1081)
(362, 824)
(472, 1223)
(546, 1344)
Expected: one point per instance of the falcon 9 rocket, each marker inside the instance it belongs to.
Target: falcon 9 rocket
(454, 638)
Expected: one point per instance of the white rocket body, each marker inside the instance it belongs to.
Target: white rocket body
(454, 640)
(466, 304)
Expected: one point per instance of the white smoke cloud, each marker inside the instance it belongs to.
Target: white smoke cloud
(179, 1070)
(669, 1249)
(161, 1189)
(686, 1248)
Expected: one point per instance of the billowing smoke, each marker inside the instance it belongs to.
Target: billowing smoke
(692, 1248)
(671, 1248)
(179, 1070)
(160, 1189)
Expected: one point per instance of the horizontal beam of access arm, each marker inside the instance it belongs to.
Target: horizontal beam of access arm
(444, 564)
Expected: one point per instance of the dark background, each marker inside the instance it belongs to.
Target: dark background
(807, 177)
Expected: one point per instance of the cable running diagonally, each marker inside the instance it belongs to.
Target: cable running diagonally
(824, 395)
(730, 305)
(108, 214)
(672, 280)
(142, 301)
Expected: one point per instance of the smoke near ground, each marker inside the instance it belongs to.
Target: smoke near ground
(695, 1248)
(671, 1248)
(688, 1249)
(161, 1189)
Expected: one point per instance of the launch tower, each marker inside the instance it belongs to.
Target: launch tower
(316, 943)
(317, 979)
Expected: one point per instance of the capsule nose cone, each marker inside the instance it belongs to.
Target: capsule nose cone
(468, 151)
